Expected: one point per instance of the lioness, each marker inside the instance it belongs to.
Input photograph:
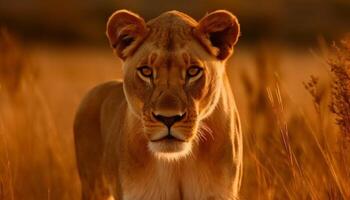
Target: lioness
(171, 129)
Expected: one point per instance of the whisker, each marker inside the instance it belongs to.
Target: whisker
(203, 128)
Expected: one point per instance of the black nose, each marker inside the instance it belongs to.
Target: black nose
(169, 121)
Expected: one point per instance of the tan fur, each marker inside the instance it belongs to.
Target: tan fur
(115, 126)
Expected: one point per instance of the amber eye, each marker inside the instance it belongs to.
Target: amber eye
(145, 71)
(194, 71)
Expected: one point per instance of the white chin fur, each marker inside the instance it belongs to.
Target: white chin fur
(170, 151)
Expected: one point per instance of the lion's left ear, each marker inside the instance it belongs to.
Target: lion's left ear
(125, 31)
(218, 32)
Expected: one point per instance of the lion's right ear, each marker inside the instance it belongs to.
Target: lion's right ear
(125, 31)
(219, 32)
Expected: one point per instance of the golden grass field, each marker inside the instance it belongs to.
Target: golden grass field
(296, 131)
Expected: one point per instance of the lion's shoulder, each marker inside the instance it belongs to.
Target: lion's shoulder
(91, 105)
(97, 95)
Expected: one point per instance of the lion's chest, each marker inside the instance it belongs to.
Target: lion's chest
(170, 183)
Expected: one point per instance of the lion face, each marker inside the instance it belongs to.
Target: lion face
(173, 69)
(172, 91)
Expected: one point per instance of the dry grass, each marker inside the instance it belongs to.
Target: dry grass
(34, 161)
(291, 151)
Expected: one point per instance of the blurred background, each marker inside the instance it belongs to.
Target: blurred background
(291, 84)
(293, 21)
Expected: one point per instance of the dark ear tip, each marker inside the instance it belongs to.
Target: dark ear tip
(125, 15)
(222, 13)
(218, 20)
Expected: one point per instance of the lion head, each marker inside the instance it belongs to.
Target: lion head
(173, 68)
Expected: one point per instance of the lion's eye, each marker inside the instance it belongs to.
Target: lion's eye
(194, 71)
(145, 71)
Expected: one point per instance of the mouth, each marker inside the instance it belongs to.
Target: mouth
(170, 147)
(168, 138)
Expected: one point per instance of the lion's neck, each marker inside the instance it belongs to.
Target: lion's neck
(219, 125)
